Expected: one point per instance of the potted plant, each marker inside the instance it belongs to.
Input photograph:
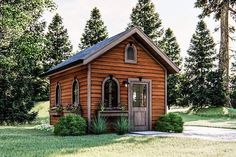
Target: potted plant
(56, 110)
(102, 106)
(73, 109)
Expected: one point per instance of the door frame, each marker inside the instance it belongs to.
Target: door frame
(149, 105)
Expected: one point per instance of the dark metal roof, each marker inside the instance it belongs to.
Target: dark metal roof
(80, 56)
(87, 55)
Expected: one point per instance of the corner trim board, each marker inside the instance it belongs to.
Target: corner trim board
(166, 105)
(89, 96)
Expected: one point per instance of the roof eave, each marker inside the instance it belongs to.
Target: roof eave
(51, 72)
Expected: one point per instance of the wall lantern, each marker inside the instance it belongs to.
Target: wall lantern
(111, 76)
(126, 83)
(140, 79)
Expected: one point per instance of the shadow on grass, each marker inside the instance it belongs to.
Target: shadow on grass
(29, 142)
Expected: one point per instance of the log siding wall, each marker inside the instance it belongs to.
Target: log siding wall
(113, 62)
(66, 79)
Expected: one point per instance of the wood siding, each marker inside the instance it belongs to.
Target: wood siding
(113, 62)
(65, 79)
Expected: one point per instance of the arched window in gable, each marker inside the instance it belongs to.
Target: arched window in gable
(130, 53)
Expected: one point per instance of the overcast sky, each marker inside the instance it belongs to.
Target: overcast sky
(179, 15)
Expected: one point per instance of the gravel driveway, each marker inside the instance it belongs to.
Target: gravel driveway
(207, 133)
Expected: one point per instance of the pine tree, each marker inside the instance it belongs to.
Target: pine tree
(58, 45)
(199, 64)
(222, 10)
(94, 31)
(170, 46)
(144, 16)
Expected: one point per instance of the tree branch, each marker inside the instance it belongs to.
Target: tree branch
(232, 10)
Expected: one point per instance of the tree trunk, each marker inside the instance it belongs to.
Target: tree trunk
(224, 50)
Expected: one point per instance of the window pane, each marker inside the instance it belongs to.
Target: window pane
(111, 93)
(75, 93)
(139, 95)
(130, 53)
(58, 95)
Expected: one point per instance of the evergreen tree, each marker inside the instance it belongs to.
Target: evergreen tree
(144, 16)
(198, 66)
(170, 46)
(58, 45)
(95, 30)
(222, 10)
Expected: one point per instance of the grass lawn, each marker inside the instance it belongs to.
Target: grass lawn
(25, 142)
(212, 117)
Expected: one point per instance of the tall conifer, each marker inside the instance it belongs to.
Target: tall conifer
(58, 45)
(170, 46)
(147, 19)
(94, 31)
(199, 63)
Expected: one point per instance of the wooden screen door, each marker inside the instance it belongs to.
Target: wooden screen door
(139, 105)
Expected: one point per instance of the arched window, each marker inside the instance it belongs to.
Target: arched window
(130, 53)
(75, 92)
(111, 92)
(58, 95)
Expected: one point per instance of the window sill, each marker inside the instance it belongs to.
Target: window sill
(112, 113)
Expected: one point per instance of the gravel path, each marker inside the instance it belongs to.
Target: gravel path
(207, 133)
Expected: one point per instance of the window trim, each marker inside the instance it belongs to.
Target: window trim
(59, 86)
(135, 54)
(72, 91)
(103, 88)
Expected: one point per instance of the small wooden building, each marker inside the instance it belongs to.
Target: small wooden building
(125, 75)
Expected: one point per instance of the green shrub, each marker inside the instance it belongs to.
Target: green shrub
(122, 126)
(171, 122)
(99, 126)
(71, 125)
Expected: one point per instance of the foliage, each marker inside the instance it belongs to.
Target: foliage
(214, 112)
(99, 125)
(70, 125)
(21, 49)
(199, 63)
(44, 127)
(222, 10)
(58, 46)
(122, 125)
(170, 123)
(217, 94)
(170, 46)
(233, 91)
(74, 108)
(94, 31)
(144, 16)
(214, 7)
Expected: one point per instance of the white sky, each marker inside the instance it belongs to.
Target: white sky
(179, 15)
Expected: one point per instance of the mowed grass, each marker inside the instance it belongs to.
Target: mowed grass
(25, 142)
(220, 117)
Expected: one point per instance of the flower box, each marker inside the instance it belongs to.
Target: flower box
(54, 113)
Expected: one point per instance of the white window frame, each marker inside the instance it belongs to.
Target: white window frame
(135, 54)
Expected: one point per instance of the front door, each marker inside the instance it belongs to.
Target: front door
(139, 105)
